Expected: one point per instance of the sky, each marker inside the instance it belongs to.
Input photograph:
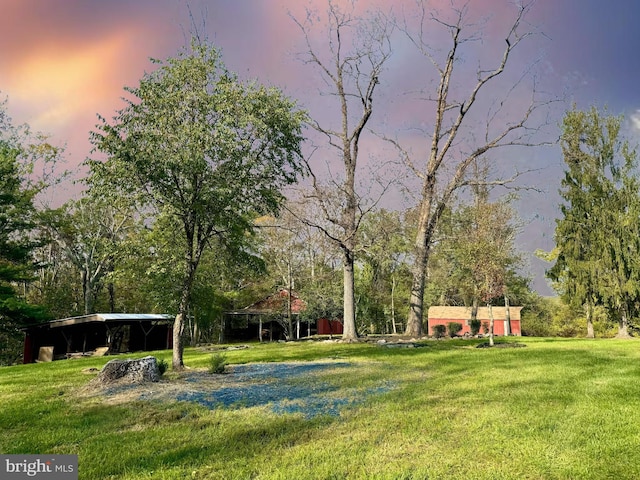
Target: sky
(63, 62)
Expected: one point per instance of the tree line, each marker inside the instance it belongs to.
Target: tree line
(208, 192)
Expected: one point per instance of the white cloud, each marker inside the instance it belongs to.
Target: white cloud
(635, 120)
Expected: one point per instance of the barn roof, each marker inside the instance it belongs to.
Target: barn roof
(464, 313)
(274, 303)
(111, 317)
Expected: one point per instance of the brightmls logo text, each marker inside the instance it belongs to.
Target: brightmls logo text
(50, 467)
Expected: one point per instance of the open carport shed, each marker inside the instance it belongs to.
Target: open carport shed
(119, 332)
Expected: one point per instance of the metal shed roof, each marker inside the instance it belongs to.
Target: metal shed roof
(111, 317)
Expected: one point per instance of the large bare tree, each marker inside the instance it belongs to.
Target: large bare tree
(350, 67)
(452, 146)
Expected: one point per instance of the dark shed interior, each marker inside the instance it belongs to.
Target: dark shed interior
(119, 332)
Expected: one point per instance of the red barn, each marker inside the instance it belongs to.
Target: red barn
(462, 315)
(265, 319)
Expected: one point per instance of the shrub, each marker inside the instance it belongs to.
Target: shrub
(439, 330)
(217, 363)
(474, 326)
(163, 366)
(454, 328)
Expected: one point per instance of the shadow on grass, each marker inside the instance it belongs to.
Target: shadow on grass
(205, 442)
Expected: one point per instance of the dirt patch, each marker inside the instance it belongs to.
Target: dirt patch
(290, 387)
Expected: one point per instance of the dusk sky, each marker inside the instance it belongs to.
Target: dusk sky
(62, 62)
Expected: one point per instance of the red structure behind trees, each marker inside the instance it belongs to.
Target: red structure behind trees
(439, 315)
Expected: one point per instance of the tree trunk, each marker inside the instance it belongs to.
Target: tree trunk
(507, 317)
(111, 288)
(474, 308)
(289, 319)
(349, 311)
(490, 324)
(86, 292)
(419, 270)
(112, 297)
(393, 305)
(89, 291)
(623, 325)
(589, 314)
(177, 361)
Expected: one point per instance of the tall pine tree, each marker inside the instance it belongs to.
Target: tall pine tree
(597, 237)
(16, 266)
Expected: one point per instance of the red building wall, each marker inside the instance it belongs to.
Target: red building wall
(498, 325)
(329, 327)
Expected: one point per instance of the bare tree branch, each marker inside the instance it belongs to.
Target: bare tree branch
(444, 171)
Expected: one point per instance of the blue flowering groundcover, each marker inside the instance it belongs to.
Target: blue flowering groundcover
(285, 388)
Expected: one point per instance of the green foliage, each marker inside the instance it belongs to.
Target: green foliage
(439, 331)
(474, 255)
(217, 363)
(598, 254)
(210, 151)
(91, 235)
(453, 328)
(536, 319)
(163, 366)
(551, 317)
(383, 277)
(474, 326)
(18, 219)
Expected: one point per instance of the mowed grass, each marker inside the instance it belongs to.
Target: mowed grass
(557, 409)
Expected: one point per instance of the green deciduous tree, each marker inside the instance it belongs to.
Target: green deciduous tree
(383, 274)
(90, 233)
(210, 150)
(478, 249)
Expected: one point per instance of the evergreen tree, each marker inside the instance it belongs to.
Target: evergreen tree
(597, 251)
(17, 220)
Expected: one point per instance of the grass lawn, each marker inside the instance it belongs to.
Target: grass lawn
(557, 409)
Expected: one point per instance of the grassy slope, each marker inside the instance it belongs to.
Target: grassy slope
(556, 409)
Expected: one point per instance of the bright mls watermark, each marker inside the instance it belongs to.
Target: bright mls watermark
(50, 467)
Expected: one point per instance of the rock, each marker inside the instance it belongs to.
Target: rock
(237, 347)
(130, 371)
(398, 345)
